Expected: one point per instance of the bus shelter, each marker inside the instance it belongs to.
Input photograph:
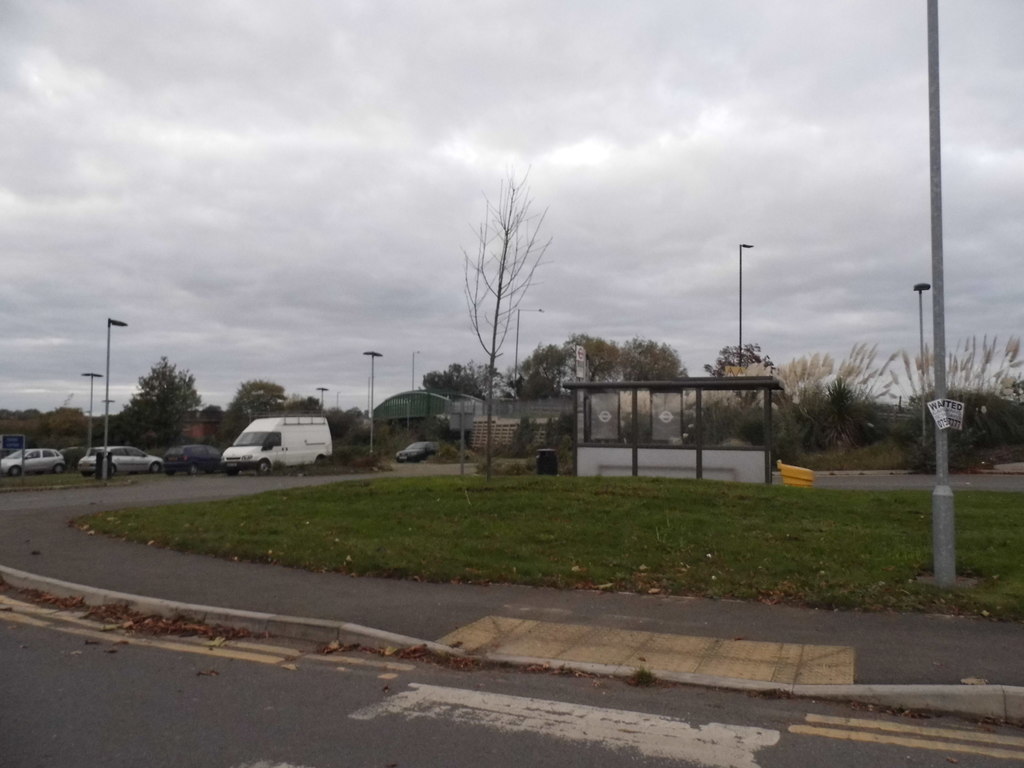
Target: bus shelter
(704, 428)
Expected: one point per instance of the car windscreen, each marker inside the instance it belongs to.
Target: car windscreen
(252, 438)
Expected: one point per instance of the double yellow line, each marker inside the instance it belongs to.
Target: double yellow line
(912, 736)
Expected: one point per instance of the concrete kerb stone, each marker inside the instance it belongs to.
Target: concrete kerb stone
(292, 627)
(998, 702)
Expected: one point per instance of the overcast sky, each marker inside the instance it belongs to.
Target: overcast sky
(265, 190)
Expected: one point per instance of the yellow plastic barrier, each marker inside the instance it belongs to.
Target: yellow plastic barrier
(795, 476)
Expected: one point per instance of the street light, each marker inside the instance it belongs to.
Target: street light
(515, 370)
(921, 288)
(106, 403)
(321, 390)
(739, 349)
(412, 388)
(92, 380)
(372, 355)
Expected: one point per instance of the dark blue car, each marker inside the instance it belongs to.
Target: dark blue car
(192, 459)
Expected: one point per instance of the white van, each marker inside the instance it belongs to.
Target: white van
(291, 439)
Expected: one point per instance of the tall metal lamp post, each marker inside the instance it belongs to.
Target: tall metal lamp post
(921, 288)
(943, 507)
(105, 462)
(321, 390)
(739, 349)
(92, 380)
(372, 355)
(515, 370)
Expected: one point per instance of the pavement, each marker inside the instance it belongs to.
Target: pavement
(958, 665)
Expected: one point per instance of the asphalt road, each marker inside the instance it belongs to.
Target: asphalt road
(884, 481)
(105, 698)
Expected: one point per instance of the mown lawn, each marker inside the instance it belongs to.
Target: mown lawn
(834, 549)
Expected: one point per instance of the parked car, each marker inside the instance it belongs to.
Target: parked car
(192, 459)
(124, 458)
(416, 452)
(33, 461)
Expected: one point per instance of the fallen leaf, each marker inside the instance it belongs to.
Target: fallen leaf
(292, 667)
(207, 673)
(217, 642)
(974, 681)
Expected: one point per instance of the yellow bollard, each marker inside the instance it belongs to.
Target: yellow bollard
(796, 476)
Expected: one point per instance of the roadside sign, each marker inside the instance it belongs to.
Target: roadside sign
(12, 442)
(581, 362)
(948, 414)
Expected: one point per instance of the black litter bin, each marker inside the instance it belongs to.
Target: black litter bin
(547, 461)
(100, 458)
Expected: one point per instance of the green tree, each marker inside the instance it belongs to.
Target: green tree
(469, 379)
(298, 403)
(543, 372)
(253, 398)
(346, 426)
(729, 357)
(602, 356)
(63, 426)
(646, 360)
(156, 413)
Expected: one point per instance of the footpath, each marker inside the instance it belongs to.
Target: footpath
(956, 665)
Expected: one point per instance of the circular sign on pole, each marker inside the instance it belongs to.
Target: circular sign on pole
(604, 416)
(665, 417)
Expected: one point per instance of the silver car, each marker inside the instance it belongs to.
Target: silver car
(124, 458)
(32, 461)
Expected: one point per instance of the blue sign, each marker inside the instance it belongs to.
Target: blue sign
(13, 442)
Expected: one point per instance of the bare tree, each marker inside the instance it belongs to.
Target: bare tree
(499, 273)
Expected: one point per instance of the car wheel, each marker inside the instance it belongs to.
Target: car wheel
(193, 469)
(58, 469)
(14, 471)
(263, 468)
(154, 467)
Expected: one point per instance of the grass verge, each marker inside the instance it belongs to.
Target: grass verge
(825, 548)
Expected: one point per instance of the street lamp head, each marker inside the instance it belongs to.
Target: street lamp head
(94, 375)
(744, 245)
(111, 321)
(922, 287)
(373, 354)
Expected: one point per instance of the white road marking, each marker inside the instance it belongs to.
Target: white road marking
(714, 745)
